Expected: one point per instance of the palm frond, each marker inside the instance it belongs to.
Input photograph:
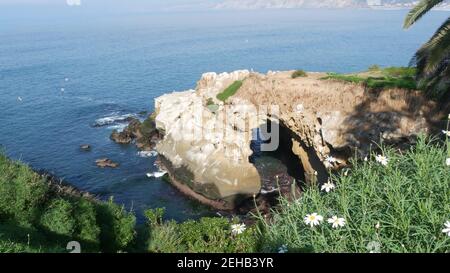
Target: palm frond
(419, 10)
(437, 48)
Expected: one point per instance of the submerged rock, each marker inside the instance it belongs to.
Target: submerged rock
(85, 147)
(106, 163)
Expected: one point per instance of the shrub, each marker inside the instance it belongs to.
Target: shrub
(58, 218)
(117, 226)
(401, 207)
(86, 222)
(229, 91)
(148, 127)
(18, 238)
(22, 191)
(299, 73)
(209, 234)
(165, 238)
(209, 102)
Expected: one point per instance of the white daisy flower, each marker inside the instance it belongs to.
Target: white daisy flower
(330, 159)
(383, 160)
(447, 133)
(447, 228)
(328, 186)
(238, 228)
(447, 161)
(313, 219)
(283, 249)
(336, 222)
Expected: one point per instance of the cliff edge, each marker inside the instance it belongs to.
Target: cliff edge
(210, 132)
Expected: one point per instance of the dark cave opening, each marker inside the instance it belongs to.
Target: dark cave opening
(280, 165)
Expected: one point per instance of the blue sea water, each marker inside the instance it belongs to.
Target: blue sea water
(113, 63)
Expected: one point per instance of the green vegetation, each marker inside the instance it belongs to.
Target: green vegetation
(36, 218)
(433, 58)
(400, 207)
(148, 126)
(211, 105)
(209, 235)
(380, 78)
(229, 91)
(299, 73)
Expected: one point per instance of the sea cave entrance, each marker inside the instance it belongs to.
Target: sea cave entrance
(279, 169)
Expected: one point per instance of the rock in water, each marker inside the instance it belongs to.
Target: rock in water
(106, 163)
(145, 134)
(85, 147)
(128, 134)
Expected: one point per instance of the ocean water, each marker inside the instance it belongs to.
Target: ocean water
(64, 70)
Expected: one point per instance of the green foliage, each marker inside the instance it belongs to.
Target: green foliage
(28, 206)
(22, 191)
(298, 73)
(211, 105)
(148, 127)
(385, 78)
(432, 59)
(197, 236)
(209, 102)
(117, 226)
(23, 238)
(401, 207)
(86, 227)
(57, 218)
(164, 238)
(229, 91)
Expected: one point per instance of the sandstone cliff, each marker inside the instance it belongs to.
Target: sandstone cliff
(207, 149)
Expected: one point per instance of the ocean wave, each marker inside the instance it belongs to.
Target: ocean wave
(118, 127)
(147, 153)
(113, 118)
(157, 174)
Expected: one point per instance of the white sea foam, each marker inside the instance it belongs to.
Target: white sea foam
(113, 118)
(118, 127)
(147, 153)
(157, 174)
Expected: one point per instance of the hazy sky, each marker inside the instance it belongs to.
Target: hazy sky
(109, 2)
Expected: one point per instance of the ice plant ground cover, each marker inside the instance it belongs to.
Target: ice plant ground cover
(400, 207)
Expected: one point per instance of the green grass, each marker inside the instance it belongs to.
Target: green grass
(36, 218)
(401, 207)
(229, 91)
(206, 235)
(380, 78)
(298, 73)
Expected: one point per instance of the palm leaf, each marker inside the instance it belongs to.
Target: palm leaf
(437, 48)
(419, 10)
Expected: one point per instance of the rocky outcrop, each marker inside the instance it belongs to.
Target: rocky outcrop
(106, 163)
(145, 134)
(323, 122)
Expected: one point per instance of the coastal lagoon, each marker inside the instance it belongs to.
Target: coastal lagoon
(69, 76)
